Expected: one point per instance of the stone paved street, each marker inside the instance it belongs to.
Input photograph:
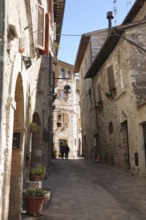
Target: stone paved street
(84, 190)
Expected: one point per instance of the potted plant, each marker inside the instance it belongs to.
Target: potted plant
(34, 127)
(99, 106)
(34, 198)
(111, 94)
(113, 91)
(108, 95)
(37, 173)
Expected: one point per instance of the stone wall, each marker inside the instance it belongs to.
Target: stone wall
(129, 69)
(21, 99)
(88, 113)
(66, 104)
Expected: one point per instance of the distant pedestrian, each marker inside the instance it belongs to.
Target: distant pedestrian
(66, 150)
(62, 150)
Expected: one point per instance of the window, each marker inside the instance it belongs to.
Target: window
(110, 74)
(110, 126)
(46, 37)
(41, 28)
(62, 73)
(68, 75)
(90, 98)
(65, 118)
(40, 2)
(61, 94)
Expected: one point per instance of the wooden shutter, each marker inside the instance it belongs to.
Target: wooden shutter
(41, 28)
(46, 49)
(111, 81)
(65, 119)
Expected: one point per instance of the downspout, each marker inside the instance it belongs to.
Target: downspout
(3, 39)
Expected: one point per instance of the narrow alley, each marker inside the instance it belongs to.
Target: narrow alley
(84, 190)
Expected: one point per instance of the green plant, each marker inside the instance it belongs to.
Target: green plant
(34, 127)
(108, 94)
(99, 103)
(55, 45)
(34, 192)
(40, 171)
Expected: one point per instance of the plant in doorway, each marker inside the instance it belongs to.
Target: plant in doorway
(99, 106)
(34, 127)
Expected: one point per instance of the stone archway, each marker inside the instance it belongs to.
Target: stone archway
(36, 153)
(16, 178)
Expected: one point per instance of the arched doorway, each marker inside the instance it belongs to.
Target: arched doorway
(36, 153)
(16, 179)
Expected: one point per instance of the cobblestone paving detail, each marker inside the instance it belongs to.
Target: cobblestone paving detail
(84, 190)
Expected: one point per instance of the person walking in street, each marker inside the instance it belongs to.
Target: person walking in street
(66, 150)
(62, 150)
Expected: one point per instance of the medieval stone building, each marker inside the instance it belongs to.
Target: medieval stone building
(27, 38)
(90, 44)
(67, 128)
(118, 85)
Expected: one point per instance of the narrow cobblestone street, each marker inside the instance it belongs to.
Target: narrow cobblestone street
(84, 190)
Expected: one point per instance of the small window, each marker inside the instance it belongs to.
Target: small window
(68, 75)
(65, 118)
(110, 126)
(62, 73)
(40, 2)
(60, 94)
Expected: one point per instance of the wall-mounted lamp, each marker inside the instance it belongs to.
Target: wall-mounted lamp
(58, 124)
(67, 89)
(27, 61)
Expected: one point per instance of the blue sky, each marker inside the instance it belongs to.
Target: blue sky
(82, 16)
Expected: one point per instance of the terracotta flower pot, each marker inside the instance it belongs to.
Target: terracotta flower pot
(34, 205)
(36, 177)
(98, 109)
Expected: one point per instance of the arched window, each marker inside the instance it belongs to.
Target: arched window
(62, 73)
(68, 75)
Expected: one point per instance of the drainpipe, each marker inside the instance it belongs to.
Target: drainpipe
(3, 38)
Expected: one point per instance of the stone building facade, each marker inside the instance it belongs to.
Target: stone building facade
(26, 78)
(67, 111)
(90, 44)
(119, 83)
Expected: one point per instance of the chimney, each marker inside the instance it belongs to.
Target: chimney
(109, 17)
